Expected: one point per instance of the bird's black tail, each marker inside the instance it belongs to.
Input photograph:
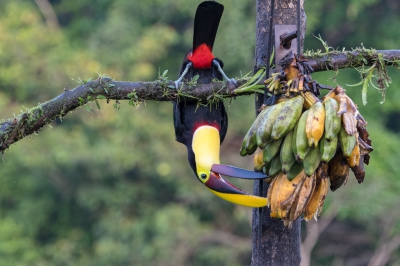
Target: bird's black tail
(206, 21)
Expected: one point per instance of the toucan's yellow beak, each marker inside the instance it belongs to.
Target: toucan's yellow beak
(205, 146)
(223, 189)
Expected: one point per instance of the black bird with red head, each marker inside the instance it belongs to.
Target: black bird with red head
(202, 127)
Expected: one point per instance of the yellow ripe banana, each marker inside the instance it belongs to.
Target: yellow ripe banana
(276, 166)
(287, 156)
(288, 117)
(299, 141)
(338, 171)
(271, 150)
(354, 159)
(272, 196)
(258, 161)
(315, 124)
(311, 161)
(312, 206)
(317, 200)
(347, 142)
(328, 149)
(267, 124)
(332, 121)
(287, 193)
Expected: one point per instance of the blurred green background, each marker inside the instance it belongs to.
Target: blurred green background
(114, 188)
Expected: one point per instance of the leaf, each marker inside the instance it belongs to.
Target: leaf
(97, 103)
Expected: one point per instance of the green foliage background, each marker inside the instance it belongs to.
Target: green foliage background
(114, 188)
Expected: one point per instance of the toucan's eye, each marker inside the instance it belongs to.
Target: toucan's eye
(203, 177)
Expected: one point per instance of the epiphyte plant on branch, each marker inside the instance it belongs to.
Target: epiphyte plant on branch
(202, 126)
(301, 141)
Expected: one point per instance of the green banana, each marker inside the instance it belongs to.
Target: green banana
(261, 126)
(287, 156)
(328, 149)
(249, 143)
(332, 121)
(267, 125)
(299, 141)
(288, 117)
(276, 166)
(311, 161)
(266, 168)
(271, 150)
(294, 170)
(347, 142)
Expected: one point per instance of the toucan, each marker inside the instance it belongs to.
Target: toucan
(202, 127)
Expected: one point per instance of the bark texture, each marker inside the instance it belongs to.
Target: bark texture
(104, 88)
(273, 243)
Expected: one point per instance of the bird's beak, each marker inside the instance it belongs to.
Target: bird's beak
(229, 192)
(205, 146)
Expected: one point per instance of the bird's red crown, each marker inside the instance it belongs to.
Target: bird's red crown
(201, 57)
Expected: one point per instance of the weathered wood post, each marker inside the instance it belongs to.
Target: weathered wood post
(273, 244)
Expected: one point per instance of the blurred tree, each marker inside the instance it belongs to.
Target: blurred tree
(104, 188)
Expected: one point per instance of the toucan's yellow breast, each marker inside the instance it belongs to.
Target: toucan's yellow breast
(205, 147)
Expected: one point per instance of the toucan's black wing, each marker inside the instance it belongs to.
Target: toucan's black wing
(206, 21)
(189, 115)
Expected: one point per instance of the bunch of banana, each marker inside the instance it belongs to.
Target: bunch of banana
(302, 143)
(289, 199)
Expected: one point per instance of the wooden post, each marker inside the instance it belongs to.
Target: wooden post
(274, 244)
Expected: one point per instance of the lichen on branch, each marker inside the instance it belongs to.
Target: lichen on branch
(359, 58)
(105, 88)
(163, 89)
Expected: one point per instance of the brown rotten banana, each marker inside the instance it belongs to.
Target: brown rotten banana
(338, 170)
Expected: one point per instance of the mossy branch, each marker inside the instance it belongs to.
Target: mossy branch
(32, 120)
(334, 60)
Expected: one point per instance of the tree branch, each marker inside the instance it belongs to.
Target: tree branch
(359, 57)
(32, 120)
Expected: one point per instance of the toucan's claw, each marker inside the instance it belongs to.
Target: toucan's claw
(232, 84)
(178, 82)
(236, 172)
